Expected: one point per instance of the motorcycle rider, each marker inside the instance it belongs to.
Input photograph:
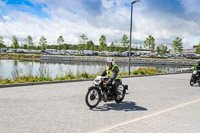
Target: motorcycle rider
(112, 70)
(196, 66)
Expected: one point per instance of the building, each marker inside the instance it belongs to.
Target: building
(193, 50)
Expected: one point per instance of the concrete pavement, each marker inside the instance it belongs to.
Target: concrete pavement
(163, 103)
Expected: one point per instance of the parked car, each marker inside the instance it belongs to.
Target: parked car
(50, 51)
(72, 52)
(115, 53)
(96, 53)
(3, 50)
(11, 50)
(136, 55)
(64, 52)
(35, 51)
(20, 50)
(190, 55)
(104, 52)
(125, 54)
(88, 52)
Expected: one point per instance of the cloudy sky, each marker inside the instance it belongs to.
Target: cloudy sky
(163, 19)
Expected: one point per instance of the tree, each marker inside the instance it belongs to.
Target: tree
(158, 49)
(198, 49)
(96, 47)
(102, 43)
(177, 45)
(117, 47)
(136, 48)
(43, 43)
(83, 39)
(29, 42)
(124, 41)
(162, 49)
(112, 47)
(60, 41)
(1, 42)
(81, 47)
(15, 43)
(25, 46)
(90, 45)
(150, 43)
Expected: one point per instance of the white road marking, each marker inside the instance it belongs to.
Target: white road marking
(145, 117)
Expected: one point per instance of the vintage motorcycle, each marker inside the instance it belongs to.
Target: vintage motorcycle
(195, 78)
(101, 91)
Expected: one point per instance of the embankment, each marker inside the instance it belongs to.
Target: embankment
(57, 58)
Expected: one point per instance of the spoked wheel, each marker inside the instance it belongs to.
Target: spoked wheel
(121, 94)
(93, 97)
(191, 82)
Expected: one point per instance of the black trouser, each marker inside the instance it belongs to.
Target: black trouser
(115, 84)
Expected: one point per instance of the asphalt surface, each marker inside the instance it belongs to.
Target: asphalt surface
(155, 104)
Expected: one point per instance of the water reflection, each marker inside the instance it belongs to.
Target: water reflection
(66, 67)
(15, 62)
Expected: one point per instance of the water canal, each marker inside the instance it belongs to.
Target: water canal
(7, 67)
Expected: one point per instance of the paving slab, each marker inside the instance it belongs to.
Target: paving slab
(162, 103)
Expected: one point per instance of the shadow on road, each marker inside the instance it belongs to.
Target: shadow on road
(123, 106)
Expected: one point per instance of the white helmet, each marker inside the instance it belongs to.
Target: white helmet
(112, 60)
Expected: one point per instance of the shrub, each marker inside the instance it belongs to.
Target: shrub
(44, 75)
(146, 71)
(84, 75)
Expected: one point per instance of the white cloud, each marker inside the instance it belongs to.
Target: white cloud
(191, 6)
(107, 4)
(2, 4)
(113, 21)
(52, 29)
(1, 17)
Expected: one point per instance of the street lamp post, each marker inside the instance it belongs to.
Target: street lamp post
(135, 1)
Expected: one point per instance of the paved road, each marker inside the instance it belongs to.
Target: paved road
(163, 104)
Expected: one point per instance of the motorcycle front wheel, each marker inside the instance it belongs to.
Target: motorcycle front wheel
(93, 97)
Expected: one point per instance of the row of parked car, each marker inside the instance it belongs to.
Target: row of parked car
(61, 52)
(76, 52)
(20, 51)
(96, 53)
(168, 55)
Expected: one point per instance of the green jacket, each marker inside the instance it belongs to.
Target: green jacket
(109, 73)
(194, 66)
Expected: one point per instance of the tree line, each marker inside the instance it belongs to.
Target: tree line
(86, 44)
(176, 44)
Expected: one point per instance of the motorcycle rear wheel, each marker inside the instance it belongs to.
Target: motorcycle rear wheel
(93, 97)
(191, 82)
(120, 98)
